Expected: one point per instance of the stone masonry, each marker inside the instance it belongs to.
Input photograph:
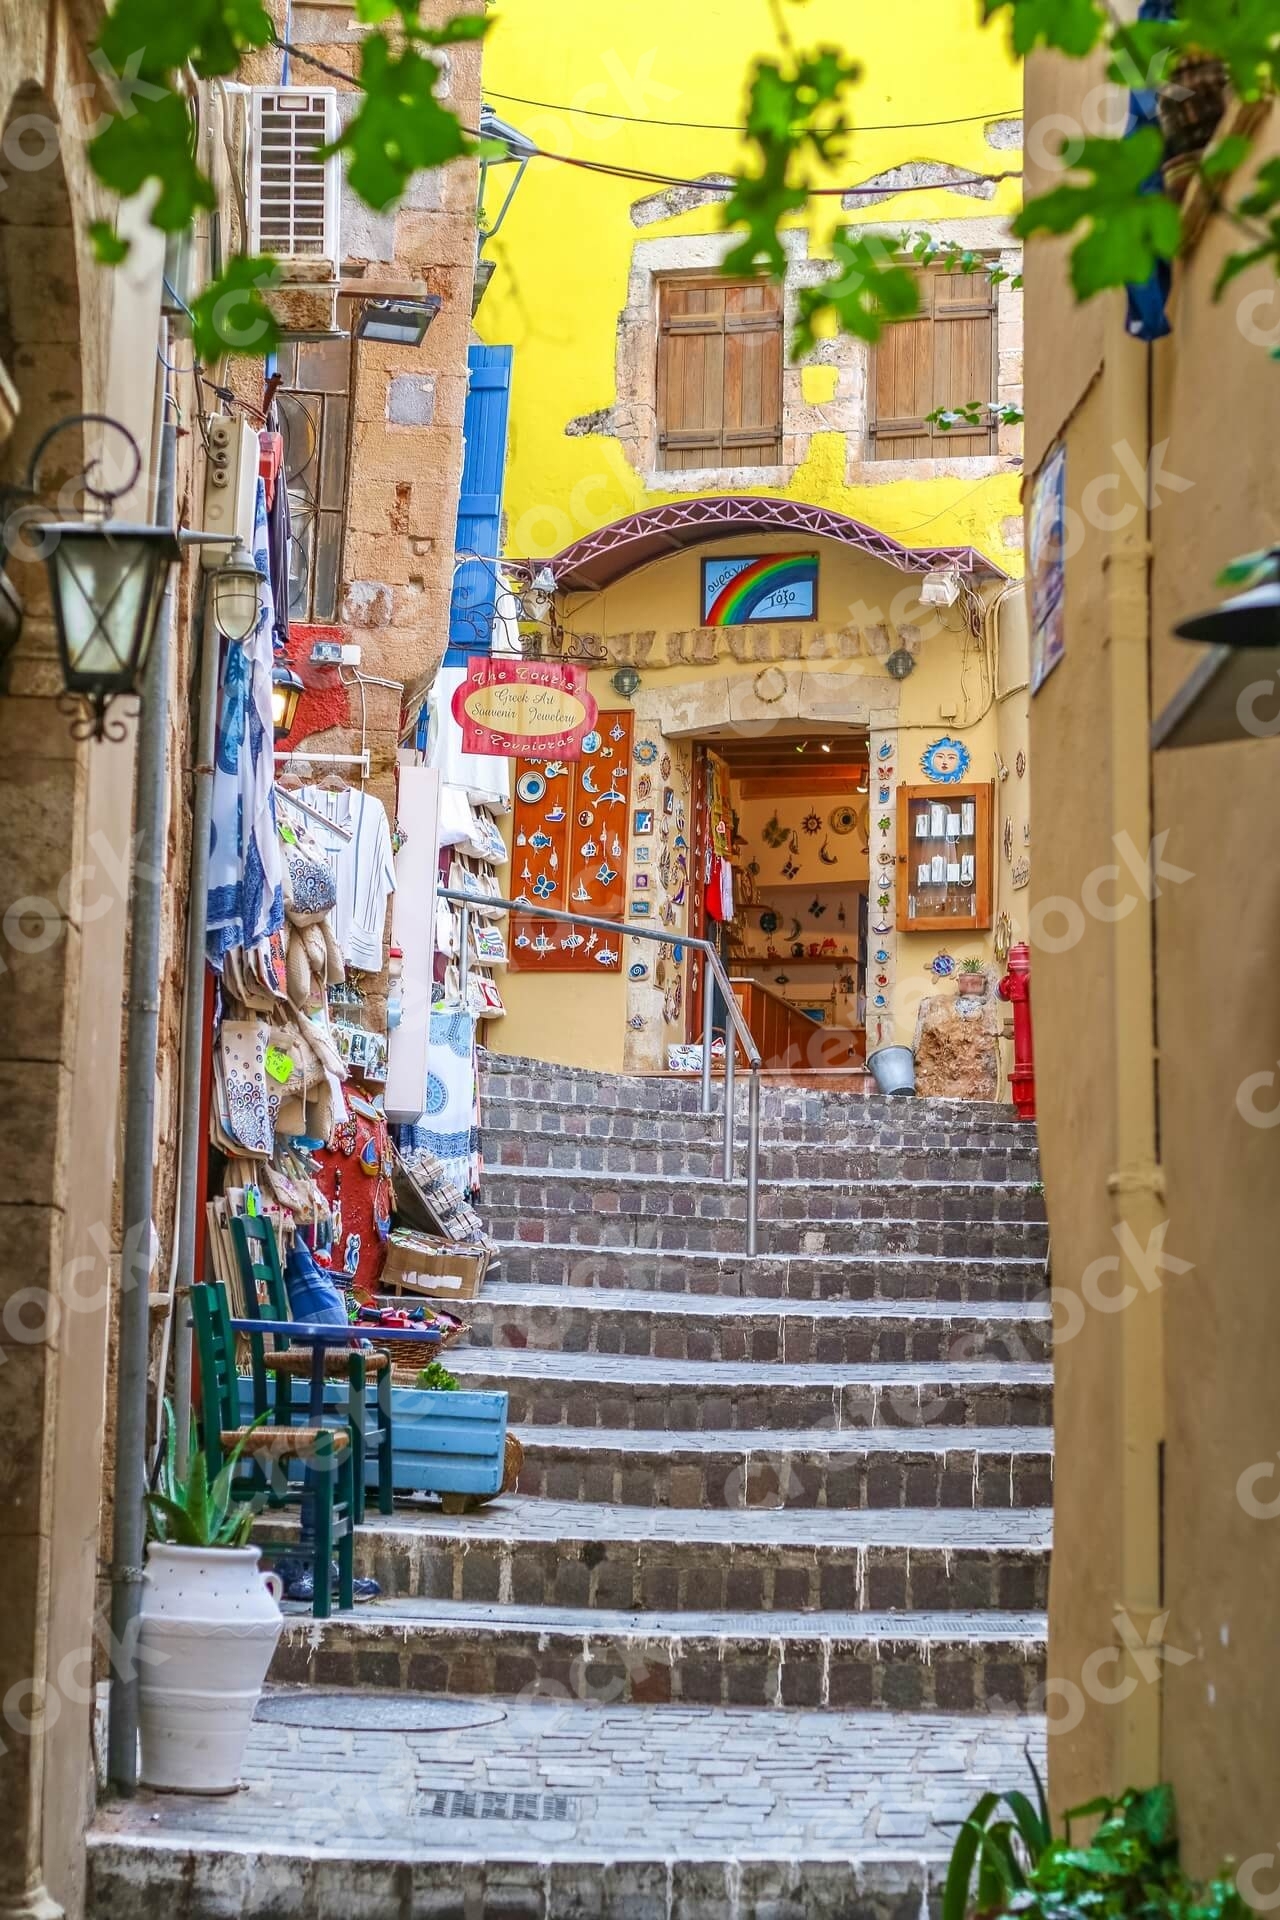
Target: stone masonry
(767, 1610)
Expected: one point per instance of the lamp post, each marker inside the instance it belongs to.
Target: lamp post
(106, 583)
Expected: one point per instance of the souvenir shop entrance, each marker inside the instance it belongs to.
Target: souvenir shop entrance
(780, 832)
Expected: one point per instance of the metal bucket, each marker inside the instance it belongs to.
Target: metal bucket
(894, 1069)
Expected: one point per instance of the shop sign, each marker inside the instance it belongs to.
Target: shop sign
(747, 587)
(537, 709)
(1047, 567)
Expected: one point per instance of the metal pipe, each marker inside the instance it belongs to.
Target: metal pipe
(753, 1162)
(141, 1054)
(191, 1133)
(464, 954)
(708, 1033)
(730, 1061)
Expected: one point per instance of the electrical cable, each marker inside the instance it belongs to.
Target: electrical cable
(723, 126)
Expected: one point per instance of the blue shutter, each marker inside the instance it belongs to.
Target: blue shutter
(484, 465)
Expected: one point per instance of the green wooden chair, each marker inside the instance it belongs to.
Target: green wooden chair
(325, 1453)
(265, 1296)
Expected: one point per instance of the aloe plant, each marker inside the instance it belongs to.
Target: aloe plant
(1130, 1866)
(190, 1512)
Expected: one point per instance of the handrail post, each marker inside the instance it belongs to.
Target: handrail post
(753, 1161)
(730, 1051)
(708, 1029)
(464, 952)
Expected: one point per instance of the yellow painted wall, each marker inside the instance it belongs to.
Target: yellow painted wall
(565, 249)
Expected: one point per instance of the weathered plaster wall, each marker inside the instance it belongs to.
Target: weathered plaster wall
(580, 316)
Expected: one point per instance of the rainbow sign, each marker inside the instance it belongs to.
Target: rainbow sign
(739, 588)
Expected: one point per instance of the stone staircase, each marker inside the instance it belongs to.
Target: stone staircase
(792, 1510)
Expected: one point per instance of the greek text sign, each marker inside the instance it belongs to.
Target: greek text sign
(540, 709)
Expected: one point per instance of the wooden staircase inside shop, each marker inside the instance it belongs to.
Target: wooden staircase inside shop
(766, 1614)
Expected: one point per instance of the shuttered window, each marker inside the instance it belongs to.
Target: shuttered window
(944, 357)
(719, 373)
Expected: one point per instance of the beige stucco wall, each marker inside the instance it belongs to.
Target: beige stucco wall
(1179, 1383)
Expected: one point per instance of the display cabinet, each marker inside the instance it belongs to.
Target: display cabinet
(944, 858)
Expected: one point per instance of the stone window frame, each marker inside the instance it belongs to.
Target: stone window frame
(633, 418)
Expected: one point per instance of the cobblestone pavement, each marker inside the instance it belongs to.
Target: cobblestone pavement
(567, 1779)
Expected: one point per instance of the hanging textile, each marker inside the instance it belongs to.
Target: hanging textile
(449, 1127)
(246, 896)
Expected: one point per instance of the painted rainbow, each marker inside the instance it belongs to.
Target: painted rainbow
(746, 595)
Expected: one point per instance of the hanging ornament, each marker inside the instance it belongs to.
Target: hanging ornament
(817, 907)
(522, 838)
(812, 822)
(791, 869)
(843, 819)
(774, 832)
(665, 768)
(840, 913)
(826, 856)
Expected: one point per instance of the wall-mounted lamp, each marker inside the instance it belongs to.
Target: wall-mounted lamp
(237, 586)
(398, 323)
(941, 587)
(625, 681)
(106, 582)
(535, 601)
(1249, 619)
(286, 690)
(900, 663)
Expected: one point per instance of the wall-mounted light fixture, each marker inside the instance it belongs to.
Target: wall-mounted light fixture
(1249, 619)
(900, 663)
(106, 583)
(625, 681)
(286, 691)
(237, 586)
(398, 323)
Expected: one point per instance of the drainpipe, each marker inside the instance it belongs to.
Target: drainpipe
(142, 1047)
(1136, 1184)
(192, 1132)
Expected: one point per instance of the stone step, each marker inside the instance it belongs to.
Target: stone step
(555, 1809)
(860, 1121)
(542, 1553)
(820, 1160)
(598, 1390)
(839, 1660)
(685, 1196)
(716, 1232)
(992, 1468)
(667, 1326)
(836, 1275)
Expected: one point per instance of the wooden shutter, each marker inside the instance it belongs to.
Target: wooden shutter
(942, 358)
(719, 373)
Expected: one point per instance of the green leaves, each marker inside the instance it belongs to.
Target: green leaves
(793, 114)
(1073, 26)
(157, 37)
(231, 316)
(401, 128)
(108, 248)
(1128, 229)
(191, 1512)
(870, 287)
(154, 141)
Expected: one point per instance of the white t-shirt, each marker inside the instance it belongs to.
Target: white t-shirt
(364, 866)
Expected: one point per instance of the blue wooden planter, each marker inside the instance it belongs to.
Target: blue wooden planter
(440, 1442)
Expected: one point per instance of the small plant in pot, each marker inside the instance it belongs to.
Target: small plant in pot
(209, 1624)
(972, 978)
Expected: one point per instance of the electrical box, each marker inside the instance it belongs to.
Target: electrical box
(230, 484)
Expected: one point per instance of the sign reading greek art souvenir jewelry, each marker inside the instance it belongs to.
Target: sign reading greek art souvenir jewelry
(531, 707)
(745, 587)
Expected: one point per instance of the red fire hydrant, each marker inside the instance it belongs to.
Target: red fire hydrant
(1016, 988)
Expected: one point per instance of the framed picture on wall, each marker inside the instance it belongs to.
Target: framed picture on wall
(740, 588)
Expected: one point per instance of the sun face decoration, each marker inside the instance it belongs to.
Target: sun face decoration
(812, 823)
(946, 760)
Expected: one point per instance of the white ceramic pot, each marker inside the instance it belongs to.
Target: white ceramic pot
(210, 1622)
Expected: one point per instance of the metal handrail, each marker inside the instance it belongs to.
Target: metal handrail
(495, 904)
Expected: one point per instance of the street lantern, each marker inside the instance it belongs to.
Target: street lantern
(397, 323)
(1250, 619)
(237, 586)
(106, 583)
(286, 691)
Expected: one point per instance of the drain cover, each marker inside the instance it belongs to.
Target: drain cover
(444, 1803)
(374, 1712)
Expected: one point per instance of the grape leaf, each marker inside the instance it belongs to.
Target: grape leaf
(1073, 26)
(108, 248)
(1129, 227)
(157, 37)
(792, 114)
(401, 128)
(154, 142)
(231, 316)
(869, 288)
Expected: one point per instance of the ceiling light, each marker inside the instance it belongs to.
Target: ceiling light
(397, 323)
(826, 746)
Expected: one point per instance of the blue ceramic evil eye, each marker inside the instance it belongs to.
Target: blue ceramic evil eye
(591, 742)
(531, 787)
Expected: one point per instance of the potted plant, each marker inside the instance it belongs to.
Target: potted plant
(209, 1624)
(972, 978)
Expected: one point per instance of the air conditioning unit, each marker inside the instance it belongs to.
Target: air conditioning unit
(293, 193)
